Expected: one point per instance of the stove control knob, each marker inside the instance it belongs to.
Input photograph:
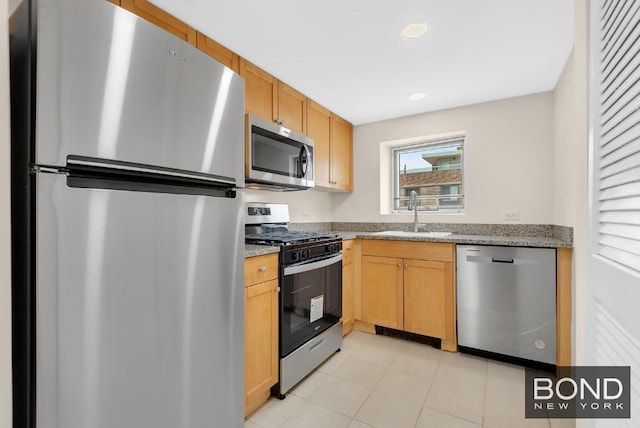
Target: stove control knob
(295, 255)
(306, 254)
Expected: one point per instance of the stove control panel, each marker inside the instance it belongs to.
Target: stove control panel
(308, 251)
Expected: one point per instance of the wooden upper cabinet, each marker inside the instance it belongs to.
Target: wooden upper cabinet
(319, 128)
(271, 99)
(292, 108)
(261, 91)
(114, 2)
(333, 148)
(341, 154)
(154, 14)
(218, 52)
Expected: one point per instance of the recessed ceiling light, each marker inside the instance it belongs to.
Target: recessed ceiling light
(415, 30)
(416, 96)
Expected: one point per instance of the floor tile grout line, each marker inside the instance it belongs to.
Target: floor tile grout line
(431, 381)
(484, 396)
(335, 411)
(374, 388)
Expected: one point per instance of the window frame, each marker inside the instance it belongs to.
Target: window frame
(427, 144)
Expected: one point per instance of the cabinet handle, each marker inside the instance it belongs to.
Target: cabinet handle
(399, 265)
(406, 265)
(277, 289)
(262, 269)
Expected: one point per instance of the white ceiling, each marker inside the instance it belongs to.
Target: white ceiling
(349, 55)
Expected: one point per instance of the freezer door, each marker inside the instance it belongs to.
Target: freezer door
(111, 85)
(139, 319)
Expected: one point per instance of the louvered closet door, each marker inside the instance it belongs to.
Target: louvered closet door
(613, 313)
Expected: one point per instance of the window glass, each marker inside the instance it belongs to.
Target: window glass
(434, 171)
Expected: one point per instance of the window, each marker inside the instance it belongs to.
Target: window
(434, 170)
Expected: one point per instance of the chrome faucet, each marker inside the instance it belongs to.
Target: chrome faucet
(413, 205)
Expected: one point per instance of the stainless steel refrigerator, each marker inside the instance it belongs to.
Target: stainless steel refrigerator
(127, 156)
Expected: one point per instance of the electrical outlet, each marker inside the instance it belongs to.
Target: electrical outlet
(512, 215)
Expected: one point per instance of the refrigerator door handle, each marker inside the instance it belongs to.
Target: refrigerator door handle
(80, 164)
(93, 173)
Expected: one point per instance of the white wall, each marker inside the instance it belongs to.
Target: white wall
(571, 176)
(5, 234)
(571, 204)
(305, 206)
(508, 155)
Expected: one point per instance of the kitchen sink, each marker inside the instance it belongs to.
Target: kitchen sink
(413, 234)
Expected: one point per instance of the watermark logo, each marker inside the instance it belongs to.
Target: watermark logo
(579, 392)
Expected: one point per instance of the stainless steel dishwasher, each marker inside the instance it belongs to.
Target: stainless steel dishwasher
(506, 301)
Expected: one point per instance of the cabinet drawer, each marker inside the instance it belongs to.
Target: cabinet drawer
(259, 269)
(436, 251)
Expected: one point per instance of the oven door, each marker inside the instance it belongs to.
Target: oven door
(278, 155)
(310, 301)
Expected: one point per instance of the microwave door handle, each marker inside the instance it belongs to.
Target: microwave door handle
(304, 160)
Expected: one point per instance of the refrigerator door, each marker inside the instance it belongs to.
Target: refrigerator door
(111, 85)
(139, 309)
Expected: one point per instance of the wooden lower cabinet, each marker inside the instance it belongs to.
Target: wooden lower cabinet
(413, 291)
(425, 284)
(382, 291)
(348, 277)
(261, 331)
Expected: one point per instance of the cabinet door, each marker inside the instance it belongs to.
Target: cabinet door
(425, 286)
(218, 52)
(152, 13)
(260, 341)
(341, 154)
(115, 2)
(319, 128)
(261, 91)
(382, 299)
(347, 286)
(292, 108)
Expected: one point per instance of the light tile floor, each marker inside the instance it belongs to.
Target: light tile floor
(382, 382)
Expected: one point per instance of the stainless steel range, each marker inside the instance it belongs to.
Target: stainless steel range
(310, 301)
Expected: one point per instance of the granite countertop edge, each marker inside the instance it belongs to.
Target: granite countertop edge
(509, 241)
(259, 250)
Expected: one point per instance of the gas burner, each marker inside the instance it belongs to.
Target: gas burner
(287, 237)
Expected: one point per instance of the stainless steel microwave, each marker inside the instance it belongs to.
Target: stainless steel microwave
(277, 157)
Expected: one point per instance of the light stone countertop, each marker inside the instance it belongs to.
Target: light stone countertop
(259, 250)
(456, 238)
(509, 241)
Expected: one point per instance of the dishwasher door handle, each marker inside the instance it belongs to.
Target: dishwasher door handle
(504, 260)
(499, 260)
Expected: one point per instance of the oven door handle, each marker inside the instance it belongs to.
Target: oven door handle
(306, 267)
